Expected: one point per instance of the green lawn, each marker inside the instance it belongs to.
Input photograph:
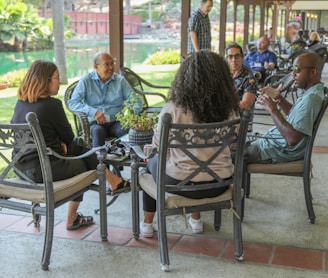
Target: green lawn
(156, 75)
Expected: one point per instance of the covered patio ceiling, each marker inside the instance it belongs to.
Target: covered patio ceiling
(116, 21)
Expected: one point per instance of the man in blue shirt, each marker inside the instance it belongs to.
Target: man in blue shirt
(100, 94)
(286, 141)
(199, 28)
(261, 60)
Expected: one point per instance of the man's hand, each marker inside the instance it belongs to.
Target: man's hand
(274, 93)
(267, 102)
(100, 118)
(269, 66)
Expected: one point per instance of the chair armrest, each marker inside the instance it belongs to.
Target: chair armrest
(150, 93)
(86, 154)
(140, 154)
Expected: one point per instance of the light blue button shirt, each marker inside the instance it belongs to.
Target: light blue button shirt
(91, 95)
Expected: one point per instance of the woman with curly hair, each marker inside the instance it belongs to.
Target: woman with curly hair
(202, 92)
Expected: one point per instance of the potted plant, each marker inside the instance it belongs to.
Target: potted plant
(141, 127)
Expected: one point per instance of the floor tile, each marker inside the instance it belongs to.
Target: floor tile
(296, 257)
(199, 245)
(317, 149)
(8, 219)
(253, 252)
(117, 236)
(153, 242)
(23, 225)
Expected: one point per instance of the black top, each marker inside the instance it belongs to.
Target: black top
(52, 118)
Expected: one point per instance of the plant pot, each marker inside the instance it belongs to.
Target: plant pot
(140, 137)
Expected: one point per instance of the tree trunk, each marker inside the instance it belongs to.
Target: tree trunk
(57, 8)
(16, 44)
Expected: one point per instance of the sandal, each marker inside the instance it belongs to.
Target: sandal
(80, 221)
(125, 185)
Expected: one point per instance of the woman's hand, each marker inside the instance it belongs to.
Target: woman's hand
(64, 147)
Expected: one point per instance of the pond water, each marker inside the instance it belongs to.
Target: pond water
(79, 58)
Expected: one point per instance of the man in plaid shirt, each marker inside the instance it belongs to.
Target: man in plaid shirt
(199, 28)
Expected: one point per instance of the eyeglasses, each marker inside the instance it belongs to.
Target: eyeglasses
(236, 56)
(298, 69)
(106, 65)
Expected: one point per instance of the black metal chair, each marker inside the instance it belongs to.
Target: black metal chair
(187, 138)
(18, 192)
(299, 168)
(81, 123)
(141, 87)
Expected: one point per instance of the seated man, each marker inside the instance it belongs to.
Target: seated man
(286, 141)
(261, 60)
(100, 94)
(243, 78)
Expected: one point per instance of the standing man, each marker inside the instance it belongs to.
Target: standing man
(101, 94)
(199, 28)
(245, 82)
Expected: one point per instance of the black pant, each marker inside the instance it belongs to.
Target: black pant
(63, 169)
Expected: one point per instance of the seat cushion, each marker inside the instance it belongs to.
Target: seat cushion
(296, 166)
(62, 189)
(148, 184)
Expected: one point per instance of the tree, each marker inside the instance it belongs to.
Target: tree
(57, 8)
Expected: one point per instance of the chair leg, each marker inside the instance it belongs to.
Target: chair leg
(238, 239)
(217, 219)
(48, 237)
(162, 241)
(247, 184)
(135, 199)
(308, 197)
(242, 207)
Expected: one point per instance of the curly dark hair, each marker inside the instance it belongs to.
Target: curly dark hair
(204, 86)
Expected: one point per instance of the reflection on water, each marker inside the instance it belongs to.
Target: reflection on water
(80, 60)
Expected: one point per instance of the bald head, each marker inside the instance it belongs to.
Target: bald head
(308, 70)
(263, 44)
(311, 59)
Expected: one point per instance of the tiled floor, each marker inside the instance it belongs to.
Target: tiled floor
(257, 253)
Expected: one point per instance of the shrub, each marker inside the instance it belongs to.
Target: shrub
(13, 78)
(164, 57)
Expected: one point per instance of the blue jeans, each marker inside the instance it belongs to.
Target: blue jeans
(99, 133)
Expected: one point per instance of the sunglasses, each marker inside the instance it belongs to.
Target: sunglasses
(297, 69)
(236, 56)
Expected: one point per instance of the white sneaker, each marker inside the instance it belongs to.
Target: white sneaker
(146, 229)
(196, 225)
